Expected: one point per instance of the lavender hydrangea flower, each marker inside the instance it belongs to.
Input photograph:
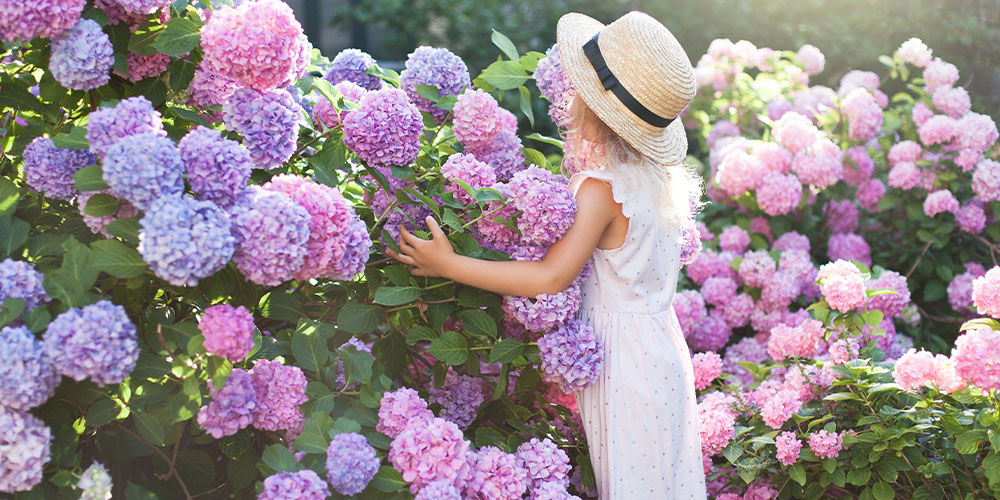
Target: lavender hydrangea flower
(95, 483)
(271, 235)
(184, 240)
(503, 154)
(302, 485)
(468, 169)
(385, 129)
(438, 67)
(399, 408)
(132, 116)
(544, 462)
(498, 235)
(22, 21)
(432, 450)
(24, 446)
(551, 491)
(477, 118)
(98, 223)
(268, 122)
(49, 169)
(439, 490)
(217, 168)
(144, 168)
(546, 311)
(228, 331)
(555, 85)
(96, 342)
(546, 204)
(232, 407)
(27, 375)
(20, 280)
(459, 397)
(280, 390)
(351, 463)
(82, 56)
(142, 6)
(572, 356)
(497, 475)
(351, 65)
(891, 305)
(210, 89)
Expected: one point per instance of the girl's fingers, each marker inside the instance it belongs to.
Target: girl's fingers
(435, 228)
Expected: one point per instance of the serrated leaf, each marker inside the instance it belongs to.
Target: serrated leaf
(505, 45)
(358, 318)
(116, 259)
(450, 348)
(180, 37)
(883, 491)
(149, 428)
(419, 332)
(505, 75)
(478, 322)
(506, 350)
(396, 295)
(89, 178)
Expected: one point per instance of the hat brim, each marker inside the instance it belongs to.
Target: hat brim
(666, 146)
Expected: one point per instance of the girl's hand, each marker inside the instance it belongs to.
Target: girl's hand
(427, 257)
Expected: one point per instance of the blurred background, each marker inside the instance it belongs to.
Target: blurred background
(851, 33)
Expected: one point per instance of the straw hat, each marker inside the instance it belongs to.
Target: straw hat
(647, 81)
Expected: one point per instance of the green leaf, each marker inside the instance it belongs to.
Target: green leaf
(535, 157)
(282, 306)
(279, 458)
(546, 139)
(991, 464)
(526, 104)
(505, 75)
(968, 442)
(429, 92)
(450, 348)
(358, 318)
(798, 474)
(13, 234)
(142, 42)
(180, 37)
(11, 310)
(89, 178)
(505, 45)
(116, 259)
(126, 228)
(75, 139)
(100, 205)
(883, 491)
(315, 437)
(859, 476)
(419, 332)
(396, 295)
(37, 319)
(9, 196)
(478, 322)
(309, 348)
(388, 480)
(149, 428)
(506, 350)
(344, 425)
(71, 282)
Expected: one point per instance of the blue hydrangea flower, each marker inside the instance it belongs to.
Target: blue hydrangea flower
(351, 463)
(271, 235)
(438, 67)
(132, 116)
(24, 446)
(19, 279)
(350, 65)
(82, 56)
(96, 342)
(231, 408)
(183, 239)
(385, 129)
(572, 356)
(268, 122)
(27, 376)
(49, 169)
(144, 168)
(217, 168)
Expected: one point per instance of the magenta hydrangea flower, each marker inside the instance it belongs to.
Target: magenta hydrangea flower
(986, 293)
(144, 168)
(351, 463)
(142, 6)
(547, 207)
(736, 313)
(503, 154)
(940, 73)
(432, 450)
(747, 349)
(232, 407)
(82, 56)
(712, 333)
(709, 263)
(228, 331)
(555, 85)
(280, 390)
(572, 356)
(141, 67)
(268, 122)
(825, 444)
(117, 13)
(459, 397)
(96, 342)
(217, 168)
(849, 246)
(772, 156)
(551, 491)
(27, 376)
(338, 241)
(801, 341)
(719, 290)
(939, 202)
(466, 168)
(324, 112)
(272, 232)
(841, 215)
(792, 240)
(707, 367)
(891, 305)
(821, 164)
(864, 115)
(385, 130)
(734, 239)
(496, 234)
(915, 52)
(302, 485)
(788, 447)
(49, 169)
(689, 305)
(497, 475)
(184, 240)
(779, 194)
(351, 65)
(24, 446)
(976, 357)
(986, 181)
(543, 462)
(690, 242)
(132, 116)
(258, 44)
(477, 118)
(438, 67)
(779, 407)
(904, 175)
(22, 21)
(870, 193)
(938, 129)
(842, 285)
(812, 59)
(717, 421)
(795, 132)
(398, 408)
(439, 490)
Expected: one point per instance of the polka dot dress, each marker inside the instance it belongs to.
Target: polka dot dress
(640, 416)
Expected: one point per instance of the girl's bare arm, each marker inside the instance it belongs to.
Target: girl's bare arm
(596, 209)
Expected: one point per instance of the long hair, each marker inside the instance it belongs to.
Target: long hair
(677, 188)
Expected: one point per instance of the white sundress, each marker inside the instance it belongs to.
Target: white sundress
(640, 416)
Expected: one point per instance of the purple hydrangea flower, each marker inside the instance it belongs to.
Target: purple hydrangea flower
(551, 491)
(546, 311)
(97, 223)
(572, 356)
(385, 129)
(849, 246)
(217, 168)
(24, 446)
(141, 67)
(96, 342)
(891, 305)
(338, 364)
(232, 407)
(544, 462)
(210, 89)
(477, 119)
(555, 85)
(351, 65)
(184, 240)
(280, 390)
(144, 168)
(49, 169)
(268, 122)
(95, 483)
(546, 204)
(503, 154)
(27, 375)
(326, 113)
(459, 397)
(432, 450)
(20, 280)
(302, 485)
(142, 6)
(438, 67)
(228, 331)
(351, 463)
(22, 21)
(439, 490)
(498, 235)
(132, 116)
(497, 476)
(400, 407)
(271, 236)
(468, 169)
(82, 56)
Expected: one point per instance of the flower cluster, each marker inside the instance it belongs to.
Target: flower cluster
(24, 445)
(96, 342)
(717, 421)
(20, 280)
(326, 113)
(228, 331)
(82, 56)
(267, 120)
(788, 447)
(385, 129)
(555, 85)
(707, 367)
(141, 67)
(95, 483)
(460, 398)
(27, 376)
(351, 65)
(98, 223)
(477, 119)
(438, 67)
(23, 21)
(496, 475)
(986, 293)
(302, 485)
(351, 463)
(842, 284)
(432, 450)
(184, 240)
(546, 205)
(232, 407)
(572, 355)
(144, 168)
(976, 357)
(209, 89)
(826, 444)
(544, 463)
(280, 390)
(49, 169)
(132, 116)
(398, 408)
(503, 154)
(217, 168)
(466, 168)
(272, 232)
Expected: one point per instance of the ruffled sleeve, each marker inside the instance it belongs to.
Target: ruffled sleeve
(619, 189)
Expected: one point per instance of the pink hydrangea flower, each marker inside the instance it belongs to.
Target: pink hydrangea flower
(891, 305)
(468, 169)
(795, 132)
(398, 408)
(952, 101)
(326, 113)
(940, 73)
(22, 21)
(986, 293)
(842, 285)
(849, 246)
(914, 370)
(960, 288)
(821, 164)
(870, 193)
(777, 409)
(864, 115)
(986, 181)
(496, 475)
(757, 268)
(915, 52)
(280, 390)
(736, 313)
(708, 263)
(779, 194)
(800, 341)
(718, 290)
(858, 165)
(976, 132)
(788, 447)
(921, 113)
(938, 129)
(945, 376)
(904, 175)
(939, 202)
(971, 218)
(228, 331)
(976, 357)
(772, 156)
(717, 421)
(477, 118)
(739, 171)
(825, 444)
(907, 151)
(734, 239)
(791, 240)
(841, 216)
(707, 367)
(812, 59)
(690, 309)
(760, 490)
(432, 450)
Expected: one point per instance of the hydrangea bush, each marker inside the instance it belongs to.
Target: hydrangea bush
(196, 299)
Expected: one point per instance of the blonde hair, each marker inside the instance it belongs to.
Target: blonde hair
(677, 188)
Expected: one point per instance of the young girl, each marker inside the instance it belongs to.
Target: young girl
(640, 417)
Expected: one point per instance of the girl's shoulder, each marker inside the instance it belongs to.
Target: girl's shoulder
(620, 187)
